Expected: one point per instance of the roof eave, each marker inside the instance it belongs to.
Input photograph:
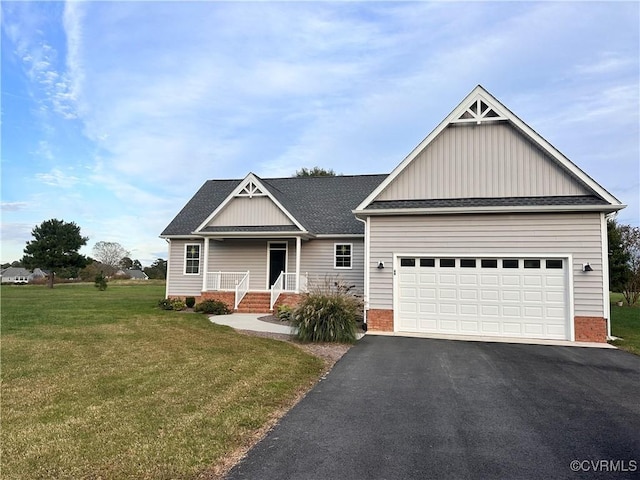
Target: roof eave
(506, 209)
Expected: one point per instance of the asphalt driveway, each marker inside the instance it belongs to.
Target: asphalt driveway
(409, 408)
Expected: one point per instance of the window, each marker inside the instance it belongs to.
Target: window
(489, 263)
(407, 262)
(447, 262)
(554, 263)
(343, 255)
(192, 259)
(468, 262)
(427, 262)
(532, 264)
(509, 263)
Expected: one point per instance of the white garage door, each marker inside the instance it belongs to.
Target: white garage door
(510, 297)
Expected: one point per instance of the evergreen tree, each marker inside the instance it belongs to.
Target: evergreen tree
(54, 247)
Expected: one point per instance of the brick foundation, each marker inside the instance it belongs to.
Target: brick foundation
(590, 329)
(380, 320)
(228, 298)
(290, 299)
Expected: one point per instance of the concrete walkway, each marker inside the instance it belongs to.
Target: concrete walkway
(249, 321)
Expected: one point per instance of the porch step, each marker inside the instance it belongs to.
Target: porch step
(255, 302)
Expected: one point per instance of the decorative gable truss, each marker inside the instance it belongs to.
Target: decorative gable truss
(250, 204)
(478, 111)
(453, 167)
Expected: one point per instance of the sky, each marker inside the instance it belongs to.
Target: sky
(115, 113)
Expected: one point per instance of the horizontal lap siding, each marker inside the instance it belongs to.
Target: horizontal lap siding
(178, 283)
(575, 234)
(240, 256)
(318, 262)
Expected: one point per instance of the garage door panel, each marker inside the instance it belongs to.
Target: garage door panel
(513, 311)
(489, 280)
(533, 296)
(490, 299)
(448, 309)
(447, 293)
(489, 295)
(448, 279)
(511, 296)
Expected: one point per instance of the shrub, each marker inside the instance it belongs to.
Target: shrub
(212, 307)
(178, 304)
(284, 313)
(328, 314)
(165, 304)
(101, 282)
(190, 301)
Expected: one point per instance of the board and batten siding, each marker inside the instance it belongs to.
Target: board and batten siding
(255, 211)
(318, 261)
(179, 284)
(478, 161)
(577, 234)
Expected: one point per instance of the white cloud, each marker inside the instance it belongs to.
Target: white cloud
(57, 178)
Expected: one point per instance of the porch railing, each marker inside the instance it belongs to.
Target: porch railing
(241, 290)
(224, 281)
(286, 282)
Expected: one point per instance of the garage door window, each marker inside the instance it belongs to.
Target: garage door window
(489, 263)
(447, 262)
(553, 263)
(427, 262)
(468, 262)
(407, 262)
(509, 263)
(532, 264)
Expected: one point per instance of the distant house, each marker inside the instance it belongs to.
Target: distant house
(15, 275)
(483, 229)
(21, 275)
(135, 274)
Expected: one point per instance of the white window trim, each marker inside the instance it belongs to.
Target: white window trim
(186, 248)
(335, 256)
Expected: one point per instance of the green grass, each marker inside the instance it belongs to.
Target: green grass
(625, 324)
(105, 385)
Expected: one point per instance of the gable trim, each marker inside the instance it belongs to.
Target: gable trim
(489, 209)
(476, 96)
(249, 183)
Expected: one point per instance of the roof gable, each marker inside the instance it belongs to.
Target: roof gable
(238, 209)
(481, 112)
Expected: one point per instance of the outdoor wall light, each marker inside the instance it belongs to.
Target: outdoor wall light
(586, 267)
(380, 265)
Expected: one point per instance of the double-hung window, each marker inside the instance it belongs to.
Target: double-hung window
(343, 252)
(192, 259)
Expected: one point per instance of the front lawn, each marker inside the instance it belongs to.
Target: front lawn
(625, 324)
(106, 385)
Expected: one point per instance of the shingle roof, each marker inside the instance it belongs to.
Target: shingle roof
(321, 204)
(489, 202)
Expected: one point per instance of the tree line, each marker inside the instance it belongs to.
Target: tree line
(55, 249)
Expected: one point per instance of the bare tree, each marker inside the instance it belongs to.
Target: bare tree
(110, 253)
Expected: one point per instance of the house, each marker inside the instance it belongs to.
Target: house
(15, 275)
(135, 274)
(22, 275)
(483, 229)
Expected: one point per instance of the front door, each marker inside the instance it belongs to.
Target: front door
(277, 261)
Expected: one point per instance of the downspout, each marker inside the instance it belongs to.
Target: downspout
(367, 257)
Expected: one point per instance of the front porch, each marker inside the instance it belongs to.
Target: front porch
(233, 289)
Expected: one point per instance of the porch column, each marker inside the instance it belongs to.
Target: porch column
(298, 246)
(205, 264)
